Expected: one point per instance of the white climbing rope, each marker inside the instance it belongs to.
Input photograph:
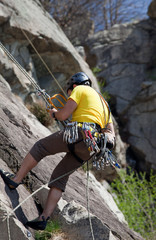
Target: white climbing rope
(8, 226)
(88, 208)
(26, 74)
(44, 63)
(39, 189)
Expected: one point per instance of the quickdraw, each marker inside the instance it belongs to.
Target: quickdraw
(90, 136)
(70, 135)
(106, 159)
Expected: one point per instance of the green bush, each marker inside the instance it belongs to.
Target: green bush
(52, 227)
(136, 198)
(41, 114)
(96, 70)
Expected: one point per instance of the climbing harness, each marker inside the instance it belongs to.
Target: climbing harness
(89, 133)
(71, 137)
(95, 141)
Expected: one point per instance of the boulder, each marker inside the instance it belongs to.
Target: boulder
(152, 9)
(123, 54)
(142, 138)
(76, 217)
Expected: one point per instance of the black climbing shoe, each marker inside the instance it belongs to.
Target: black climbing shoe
(38, 224)
(7, 177)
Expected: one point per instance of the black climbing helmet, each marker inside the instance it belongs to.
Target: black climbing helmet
(79, 78)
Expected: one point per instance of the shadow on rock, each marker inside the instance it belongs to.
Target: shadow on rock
(14, 198)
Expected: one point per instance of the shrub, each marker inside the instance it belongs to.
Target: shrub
(101, 84)
(52, 227)
(96, 70)
(41, 114)
(136, 198)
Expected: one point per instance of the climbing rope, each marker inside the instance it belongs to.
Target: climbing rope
(48, 100)
(33, 82)
(24, 33)
(88, 208)
(8, 226)
(39, 189)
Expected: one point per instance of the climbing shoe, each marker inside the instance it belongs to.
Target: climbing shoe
(7, 177)
(38, 224)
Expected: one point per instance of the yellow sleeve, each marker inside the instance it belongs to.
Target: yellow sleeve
(110, 118)
(76, 95)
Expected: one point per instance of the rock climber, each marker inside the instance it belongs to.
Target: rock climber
(88, 111)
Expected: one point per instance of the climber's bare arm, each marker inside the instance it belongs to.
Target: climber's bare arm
(66, 111)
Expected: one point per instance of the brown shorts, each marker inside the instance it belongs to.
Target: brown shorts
(54, 144)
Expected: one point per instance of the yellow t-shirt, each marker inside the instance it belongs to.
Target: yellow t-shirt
(89, 106)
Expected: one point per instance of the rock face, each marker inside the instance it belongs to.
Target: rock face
(54, 47)
(126, 56)
(143, 138)
(152, 9)
(19, 129)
